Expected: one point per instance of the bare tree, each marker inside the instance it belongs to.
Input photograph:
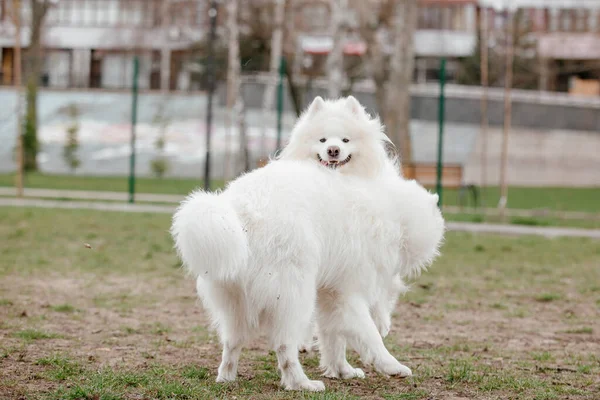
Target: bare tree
(335, 60)
(235, 106)
(33, 68)
(276, 53)
(396, 20)
(16, 17)
(397, 111)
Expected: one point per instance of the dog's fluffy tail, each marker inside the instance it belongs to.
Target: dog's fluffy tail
(209, 237)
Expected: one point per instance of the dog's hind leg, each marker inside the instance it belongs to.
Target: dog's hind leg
(228, 309)
(331, 340)
(229, 361)
(291, 320)
(354, 319)
(308, 343)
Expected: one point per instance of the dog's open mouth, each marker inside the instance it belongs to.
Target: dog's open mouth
(334, 163)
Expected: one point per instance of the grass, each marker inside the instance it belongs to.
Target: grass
(63, 308)
(547, 297)
(526, 221)
(34, 334)
(586, 330)
(489, 320)
(106, 183)
(551, 198)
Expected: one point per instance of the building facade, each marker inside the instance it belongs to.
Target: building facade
(565, 37)
(445, 28)
(92, 43)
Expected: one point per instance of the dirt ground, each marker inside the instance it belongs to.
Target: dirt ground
(495, 318)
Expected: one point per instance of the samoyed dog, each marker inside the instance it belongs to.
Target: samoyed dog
(294, 240)
(350, 145)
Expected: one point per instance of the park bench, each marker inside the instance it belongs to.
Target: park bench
(452, 178)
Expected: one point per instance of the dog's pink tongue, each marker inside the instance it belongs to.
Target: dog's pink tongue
(323, 162)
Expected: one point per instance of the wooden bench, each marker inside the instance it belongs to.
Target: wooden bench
(426, 174)
(452, 178)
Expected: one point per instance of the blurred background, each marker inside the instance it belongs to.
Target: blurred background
(499, 93)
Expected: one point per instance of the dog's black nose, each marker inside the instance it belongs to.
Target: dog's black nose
(333, 151)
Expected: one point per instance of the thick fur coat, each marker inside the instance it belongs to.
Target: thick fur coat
(292, 238)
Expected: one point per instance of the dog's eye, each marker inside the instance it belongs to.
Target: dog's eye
(345, 140)
(323, 140)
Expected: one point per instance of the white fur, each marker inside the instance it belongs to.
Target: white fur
(295, 239)
(334, 121)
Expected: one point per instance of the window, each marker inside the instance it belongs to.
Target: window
(112, 12)
(452, 18)
(315, 17)
(581, 20)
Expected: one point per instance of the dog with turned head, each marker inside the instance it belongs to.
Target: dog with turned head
(326, 233)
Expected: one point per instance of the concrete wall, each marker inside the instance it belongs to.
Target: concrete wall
(529, 110)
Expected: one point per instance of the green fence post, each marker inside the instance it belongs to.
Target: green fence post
(210, 75)
(134, 93)
(280, 101)
(441, 112)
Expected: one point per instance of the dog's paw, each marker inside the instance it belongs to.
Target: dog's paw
(347, 372)
(227, 373)
(222, 378)
(393, 367)
(308, 385)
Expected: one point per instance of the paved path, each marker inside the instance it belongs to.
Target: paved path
(91, 195)
(550, 232)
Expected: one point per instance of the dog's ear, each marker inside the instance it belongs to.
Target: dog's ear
(316, 105)
(353, 105)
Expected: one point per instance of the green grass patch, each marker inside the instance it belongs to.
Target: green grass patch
(586, 330)
(460, 371)
(107, 183)
(6, 302)
(543, 356)
(525, 221)
(63, 308)
(155, 382)
(529, 221)
(61, 367)
(34, 334)
(550, 198)
(548, 297)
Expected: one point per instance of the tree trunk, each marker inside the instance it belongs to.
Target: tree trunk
(372, 30)
(233, 78)
(33, 68)
(335, 60)
(276, 52)
(397, 116)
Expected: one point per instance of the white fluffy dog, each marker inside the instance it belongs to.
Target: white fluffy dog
(295, 240)
(341, 135)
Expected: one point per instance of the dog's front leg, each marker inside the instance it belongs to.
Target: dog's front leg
(332, 346)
